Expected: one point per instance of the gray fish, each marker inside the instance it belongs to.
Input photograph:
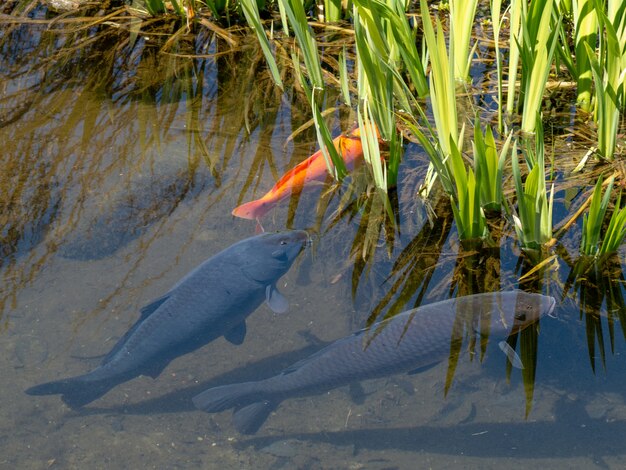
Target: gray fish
(211, 301)
(409, 342)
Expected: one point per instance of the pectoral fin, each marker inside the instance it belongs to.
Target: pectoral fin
(511, 355)
(155, 369)
(250, 418)
(237, 334)
(357, 394)
(258, 229)
(275, 300)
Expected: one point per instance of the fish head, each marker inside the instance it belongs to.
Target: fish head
(268, 256)
(515, 310)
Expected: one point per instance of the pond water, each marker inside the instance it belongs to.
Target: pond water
(119, 172)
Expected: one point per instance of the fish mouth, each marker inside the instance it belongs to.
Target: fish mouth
(306, 238)
(301, 240)
(309, 240)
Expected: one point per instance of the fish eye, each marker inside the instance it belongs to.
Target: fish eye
(283, 242)
(521, 316)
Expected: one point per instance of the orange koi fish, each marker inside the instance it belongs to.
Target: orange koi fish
(312, 169)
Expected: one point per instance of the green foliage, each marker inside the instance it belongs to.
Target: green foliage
(251, 12)
(462, 13)
(375, 74)
(488, 166)
(515, 39)
(442, 84)
(153, 7)
(586, 33)
(371, 149)
(182, 8)
(533, 221)
(438, 167)
(592, 221)
(496, 22)
(343, 77)
(468, 215)
(384, 41)
(391, 76)
(539, 38)
(332, 10)
(393, 39)
(616, 231)
(616, 14)
(297, 19)
(293, 14)
(219, 8)
(608, 74)
(334, 160)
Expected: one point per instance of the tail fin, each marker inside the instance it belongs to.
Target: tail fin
(249, 419)
(222, 398)
(252, 407)
(75, 393)
(253, 209)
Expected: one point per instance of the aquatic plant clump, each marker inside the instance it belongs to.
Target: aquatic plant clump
(413, 86)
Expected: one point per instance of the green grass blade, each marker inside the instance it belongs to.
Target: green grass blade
(344, 77)
(334, 160)
(251, 12)
(616, 231)
(592, 222)
(586, 21)
(462, 13)
(371, 150)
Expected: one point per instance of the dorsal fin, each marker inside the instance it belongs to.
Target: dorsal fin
(152, 306)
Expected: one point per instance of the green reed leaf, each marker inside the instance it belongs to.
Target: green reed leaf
(462, 13)
(616, 231)
(251, 12)
(371, 149)
(592, 221)
(334, 160)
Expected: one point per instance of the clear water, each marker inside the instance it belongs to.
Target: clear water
(113, 186)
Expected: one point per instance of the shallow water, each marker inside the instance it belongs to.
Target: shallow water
(114, 187)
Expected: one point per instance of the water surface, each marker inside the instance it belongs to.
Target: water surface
(119, 171)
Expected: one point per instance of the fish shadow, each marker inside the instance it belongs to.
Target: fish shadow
(179, 400)
(572, 433)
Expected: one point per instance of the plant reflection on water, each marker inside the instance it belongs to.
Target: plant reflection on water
(599, 285)
(96, 170)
